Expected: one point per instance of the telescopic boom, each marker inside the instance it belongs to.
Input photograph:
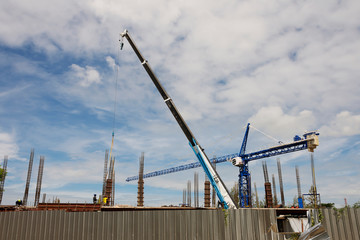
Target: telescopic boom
(217, 183)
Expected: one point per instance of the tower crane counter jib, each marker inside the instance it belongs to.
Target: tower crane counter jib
(217, 183)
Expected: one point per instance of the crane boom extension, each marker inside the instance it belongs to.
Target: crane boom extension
(217, 183)
(265, 153)
(182, 167)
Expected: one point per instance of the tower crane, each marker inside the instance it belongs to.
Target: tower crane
(217, 183)
(309, 141)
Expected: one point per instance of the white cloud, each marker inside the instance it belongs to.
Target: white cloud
(344, 124)
(85, 76)
(111, 62)
(8, 145)
(274, 121)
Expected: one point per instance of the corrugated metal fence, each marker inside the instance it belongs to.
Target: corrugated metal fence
(342, 225)
(154, 224)
(161, 225)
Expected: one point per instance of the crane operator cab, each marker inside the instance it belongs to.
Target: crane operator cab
(237, 161)
(313, 140)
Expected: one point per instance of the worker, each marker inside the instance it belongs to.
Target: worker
(18, 202)
(94, 199)
(104, 200)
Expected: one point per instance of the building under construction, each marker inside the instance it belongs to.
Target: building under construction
(104, 220)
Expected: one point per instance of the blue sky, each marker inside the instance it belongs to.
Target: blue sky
(285, 67)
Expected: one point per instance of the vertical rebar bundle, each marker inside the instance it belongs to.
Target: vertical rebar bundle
(105, 171)
(266, 175)
(281, 183)
(112, 181)
(2, 180)
(206, 192)
(189, 193)
(300, 199)
(44, 198)
(274, 190)
(184, 197)
(196, 189)
(109, 189)
(257, 196)
(314, 190)
(26, 193)
(213, 197)
(39, 180)
(298, 181)
(268, 194)
(140, 195)
(113, 189)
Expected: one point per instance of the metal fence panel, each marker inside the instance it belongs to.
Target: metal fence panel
(162, 224)
(342, 225)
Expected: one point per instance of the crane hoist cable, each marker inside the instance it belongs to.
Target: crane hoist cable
(267, 135)
(115, 101)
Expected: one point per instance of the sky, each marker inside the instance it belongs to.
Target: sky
(286, 67)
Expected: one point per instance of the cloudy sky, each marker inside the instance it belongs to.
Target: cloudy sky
(284, 66)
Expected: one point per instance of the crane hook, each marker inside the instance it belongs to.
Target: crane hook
(121, 40)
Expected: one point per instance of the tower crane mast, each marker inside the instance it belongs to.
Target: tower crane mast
(217, 183)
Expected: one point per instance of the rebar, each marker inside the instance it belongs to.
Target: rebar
(109, 192)
(2, 180)
(266, 176)
(196, 189)
(268, 194)
(281, 183)
(113, 189)
(26, 193)
(140, 196)
(298, 181)
(111, 168)
(274, 190)
(105, 171)
(184, 197)
(189, 193)
(257, 196)
(39, 181)
(314, 190)
(213, 196)
(207, 193)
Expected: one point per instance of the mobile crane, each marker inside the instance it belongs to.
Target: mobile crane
(215, 180)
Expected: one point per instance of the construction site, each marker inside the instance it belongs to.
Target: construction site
(216, 214)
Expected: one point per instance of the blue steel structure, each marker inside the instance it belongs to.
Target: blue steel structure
(309, 141)
(241, 159)
(183, 167)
